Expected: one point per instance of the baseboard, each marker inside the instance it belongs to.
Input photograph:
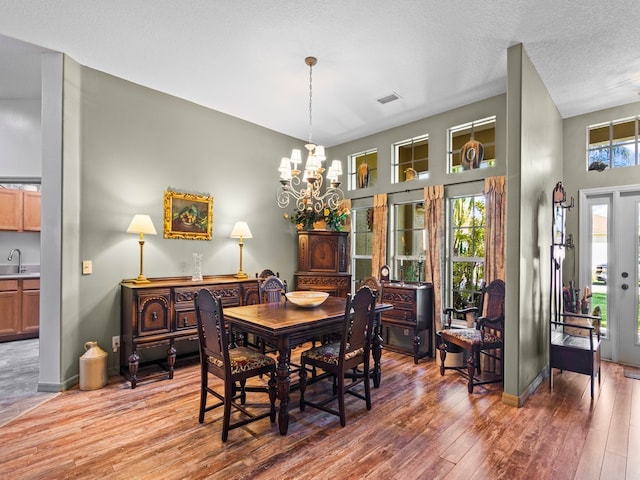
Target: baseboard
(59, 387)
(519, 400)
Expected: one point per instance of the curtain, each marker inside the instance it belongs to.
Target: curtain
(495, 200)
(494, 235)
(379, 255)
(434, 245)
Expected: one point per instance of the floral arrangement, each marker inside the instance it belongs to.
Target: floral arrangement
(334, 218)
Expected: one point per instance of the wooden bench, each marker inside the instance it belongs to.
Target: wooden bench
(574, 345)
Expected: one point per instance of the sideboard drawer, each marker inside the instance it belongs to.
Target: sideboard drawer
(153, 312)
(185, 319)
(230, 294)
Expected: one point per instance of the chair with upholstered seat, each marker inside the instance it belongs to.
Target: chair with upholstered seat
(342, 358)
(485, 339)
(272, 289)
(374, 285)
(232, 365)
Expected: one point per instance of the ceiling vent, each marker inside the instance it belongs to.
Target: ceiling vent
(389, 98)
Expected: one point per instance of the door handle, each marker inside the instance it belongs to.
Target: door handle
(625, 286)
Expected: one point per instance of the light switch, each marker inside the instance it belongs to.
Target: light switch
(87, 267)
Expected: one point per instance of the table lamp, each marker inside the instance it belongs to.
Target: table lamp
(141, 224)
(241, 230)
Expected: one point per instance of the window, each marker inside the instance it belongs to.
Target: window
(409, 240)
(410, 159)
(362, 244)
(482, 131)
(363, 169)
(466, 250)
(613, 144)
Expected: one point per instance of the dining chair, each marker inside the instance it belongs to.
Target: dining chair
(374, 285)
(232, 365)
(342, 358)
(483, 339)
(272, 289)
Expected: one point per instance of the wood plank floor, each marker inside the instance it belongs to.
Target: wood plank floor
(421, 426)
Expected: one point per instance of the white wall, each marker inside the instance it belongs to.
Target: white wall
(20, 157)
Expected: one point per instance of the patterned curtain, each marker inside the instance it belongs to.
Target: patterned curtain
(434, 226)
(495, 199)
(379, 233)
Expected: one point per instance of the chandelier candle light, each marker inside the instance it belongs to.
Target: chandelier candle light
(141, 224)
(308, 196)
(241, 230)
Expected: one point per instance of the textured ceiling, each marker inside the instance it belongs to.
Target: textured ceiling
(246, 58)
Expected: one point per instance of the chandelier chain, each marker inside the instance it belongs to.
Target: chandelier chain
(310, 103)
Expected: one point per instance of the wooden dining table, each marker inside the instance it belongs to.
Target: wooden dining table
(287, 325)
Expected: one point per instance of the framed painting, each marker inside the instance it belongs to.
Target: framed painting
(187, 215)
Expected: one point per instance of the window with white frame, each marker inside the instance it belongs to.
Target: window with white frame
(472, 145)
(363, 169)
(465, 268)
(410, 159)
(409, 241)
(361, 244)
(613, 144)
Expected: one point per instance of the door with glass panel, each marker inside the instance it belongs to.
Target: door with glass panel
(625, 281)
(612, 254)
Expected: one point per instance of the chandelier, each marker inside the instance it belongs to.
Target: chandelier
(304, 188)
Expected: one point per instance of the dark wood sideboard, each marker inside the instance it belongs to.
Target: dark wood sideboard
(408, 328)
(323, 260)
(162, 314)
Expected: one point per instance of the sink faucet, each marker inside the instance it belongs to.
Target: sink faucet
(10, 257)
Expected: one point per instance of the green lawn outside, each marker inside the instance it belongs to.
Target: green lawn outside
(600, 300)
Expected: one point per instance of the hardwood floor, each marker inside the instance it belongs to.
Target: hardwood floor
(421, 426)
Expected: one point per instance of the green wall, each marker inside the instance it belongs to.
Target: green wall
(124, 145)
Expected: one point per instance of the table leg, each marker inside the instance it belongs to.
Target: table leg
(283, 379)
(376, 350)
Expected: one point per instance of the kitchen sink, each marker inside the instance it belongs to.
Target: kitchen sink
(12, 269)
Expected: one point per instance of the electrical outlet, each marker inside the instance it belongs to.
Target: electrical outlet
(115, 343)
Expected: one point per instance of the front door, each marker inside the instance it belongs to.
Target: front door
(626, 280)
(609, 261)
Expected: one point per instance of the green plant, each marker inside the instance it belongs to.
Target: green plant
(335, 219)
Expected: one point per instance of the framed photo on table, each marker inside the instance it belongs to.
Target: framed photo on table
(188, 215)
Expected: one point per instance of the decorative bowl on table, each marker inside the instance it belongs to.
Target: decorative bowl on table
(306, 299)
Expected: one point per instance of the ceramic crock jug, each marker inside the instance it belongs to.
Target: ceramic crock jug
(93, 367)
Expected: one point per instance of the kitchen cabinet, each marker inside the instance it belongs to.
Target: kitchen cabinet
(19, 210)
(323, 259)
(20, 307)
(162, 314)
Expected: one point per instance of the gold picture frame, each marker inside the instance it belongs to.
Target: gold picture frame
(188, 215)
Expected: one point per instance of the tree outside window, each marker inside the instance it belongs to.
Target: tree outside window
(466, 250)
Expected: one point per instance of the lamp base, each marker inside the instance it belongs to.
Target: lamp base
(141, 279)
(241, 274)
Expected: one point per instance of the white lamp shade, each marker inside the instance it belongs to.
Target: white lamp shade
(296, 156)
(319, 153)
(142, 224)
(284, 164)
(241, 230)
(336, 166)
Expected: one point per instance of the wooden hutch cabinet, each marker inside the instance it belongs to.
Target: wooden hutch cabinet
(408, 328)
(323, 260)
(162, 314)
